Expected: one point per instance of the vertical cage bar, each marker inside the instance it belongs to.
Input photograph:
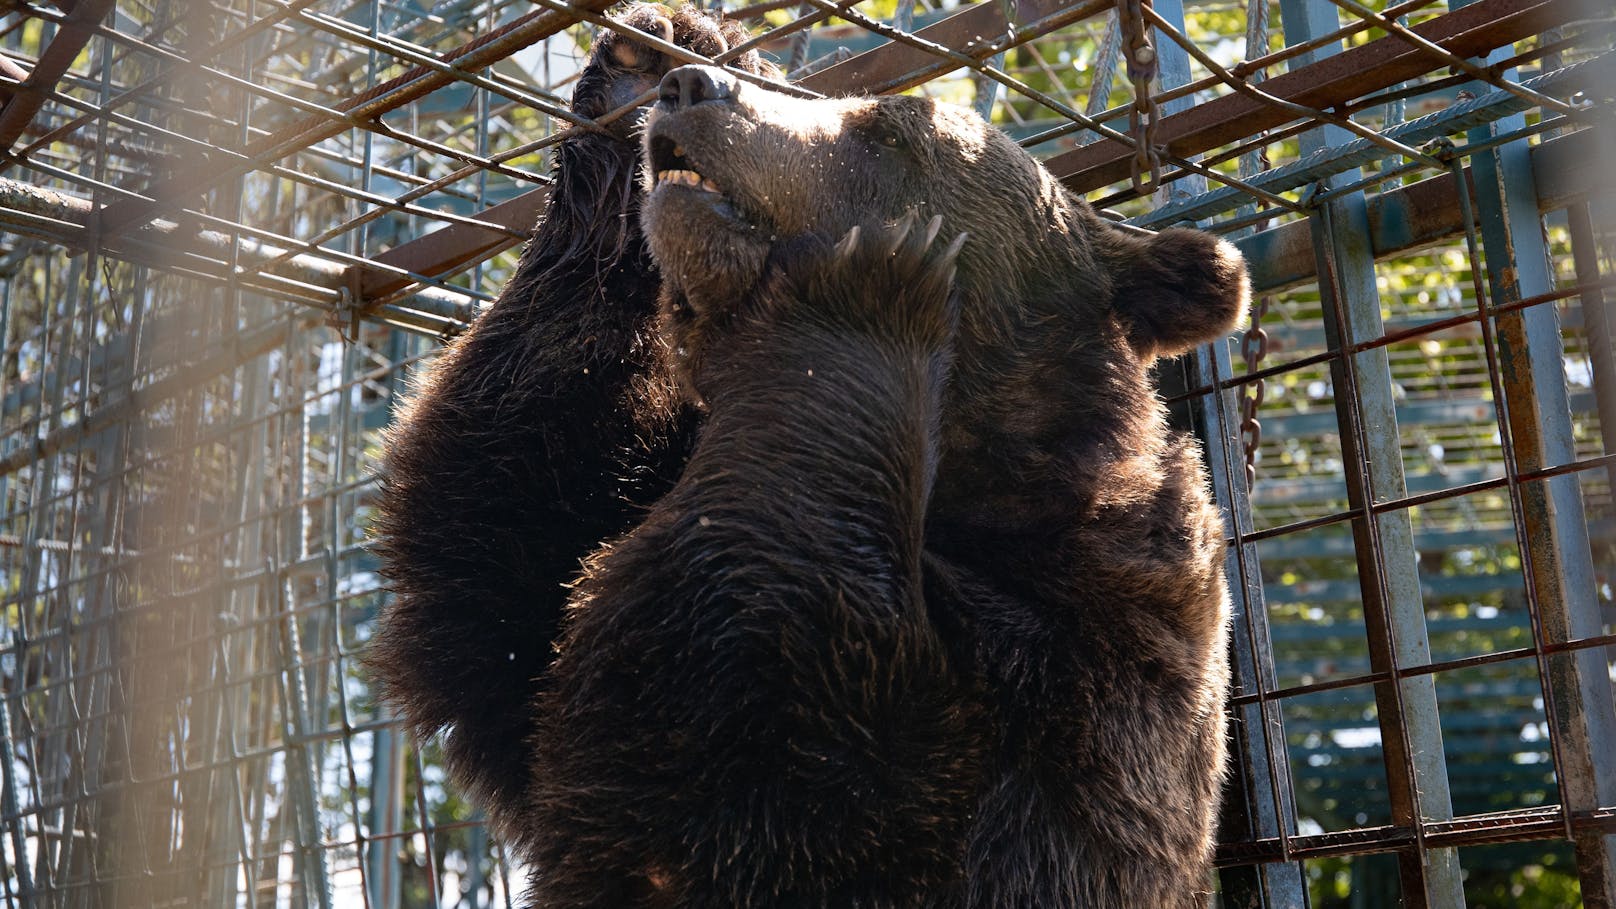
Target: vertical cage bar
(1394, 611)
(303, 768)
(1394, 617)
(11, 810)
(1260, 802)
(1596, 318)
(1532, 358)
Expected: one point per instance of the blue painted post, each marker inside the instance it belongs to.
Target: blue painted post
(1173, 70)
(1262, 798)
(1104, 72)
(387, 817)
(476, 850)
(1562, 578)
(1394, 609)
(1388, 575)
(11, 810)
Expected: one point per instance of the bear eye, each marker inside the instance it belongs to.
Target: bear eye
(887, 138)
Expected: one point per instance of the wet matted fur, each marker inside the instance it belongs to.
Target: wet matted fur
(545, 429)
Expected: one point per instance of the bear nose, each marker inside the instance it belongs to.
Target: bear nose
(688, 86)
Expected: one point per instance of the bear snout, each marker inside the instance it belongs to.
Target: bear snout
(688, 86)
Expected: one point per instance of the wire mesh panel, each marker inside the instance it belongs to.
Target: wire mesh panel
(233, 230)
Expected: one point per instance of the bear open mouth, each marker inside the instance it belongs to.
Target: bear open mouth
(670, 167)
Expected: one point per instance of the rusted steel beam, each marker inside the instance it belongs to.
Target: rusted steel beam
(1471, 830)
(893, 63)
(757, 10)
(368, 105)
(447, 249)
(895, 66)
(1564, 170)
(26, 99)
(1472, 31)
(67, 221)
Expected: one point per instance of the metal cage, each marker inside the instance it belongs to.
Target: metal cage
(233, 229)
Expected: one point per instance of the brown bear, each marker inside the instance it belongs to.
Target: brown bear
(931, 611)
(542, 431)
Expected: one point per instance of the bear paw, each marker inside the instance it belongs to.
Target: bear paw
(888, 279)
(623, 68)
(887, 284)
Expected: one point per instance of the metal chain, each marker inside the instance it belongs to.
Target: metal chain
(1254, 347)
(1254, 344)
(1143, 116)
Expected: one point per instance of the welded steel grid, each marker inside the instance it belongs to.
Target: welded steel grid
(234, 229)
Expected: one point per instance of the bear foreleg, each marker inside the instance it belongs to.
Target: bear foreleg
(751, 706)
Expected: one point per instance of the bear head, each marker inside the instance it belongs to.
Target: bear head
(1061, 311)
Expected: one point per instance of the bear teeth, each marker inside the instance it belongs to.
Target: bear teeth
(686, 178)
(682, 177)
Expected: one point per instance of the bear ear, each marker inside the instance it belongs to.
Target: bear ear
(1178, 289)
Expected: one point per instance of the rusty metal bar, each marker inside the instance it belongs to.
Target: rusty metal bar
(1353, 73)
(1371, 454)
(318, 111)
(1259, 803)
(1596, 318)
(109, 414)
(1256, 65)
(1561, 577)
(1298, 111)
(1411, 738)
(1533, 98)
(895, 67)
(895, 64)
(29, 96)
(452, 247)
(68, 220)
(1515, 826)
(1327, 162)
(1564, 170)
(1598, 642)
(144, 88)
(389, 95)
(904, 62)
(457, 245)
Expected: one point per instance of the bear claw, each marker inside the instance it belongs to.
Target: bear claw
(849, 242)
(901, 240)
(897, 272)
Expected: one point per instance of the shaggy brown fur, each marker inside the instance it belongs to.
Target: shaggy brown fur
(933, 615)
(542, 431)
